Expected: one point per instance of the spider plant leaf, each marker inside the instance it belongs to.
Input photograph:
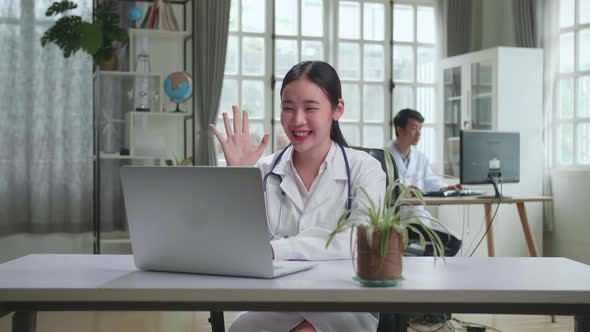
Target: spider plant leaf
(385, 234)
(369, 233)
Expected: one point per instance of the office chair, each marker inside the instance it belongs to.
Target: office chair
(388, 322)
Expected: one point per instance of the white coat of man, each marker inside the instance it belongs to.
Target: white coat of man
(413, 166)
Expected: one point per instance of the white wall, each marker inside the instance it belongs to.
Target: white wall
(571, 235)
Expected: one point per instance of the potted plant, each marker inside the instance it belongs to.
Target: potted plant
(382, 235)
(176, 162)
(99, 38)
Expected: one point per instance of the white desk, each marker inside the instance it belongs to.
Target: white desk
(520, 285)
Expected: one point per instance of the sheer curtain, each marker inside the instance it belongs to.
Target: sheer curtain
(45, 126)
(551, 64)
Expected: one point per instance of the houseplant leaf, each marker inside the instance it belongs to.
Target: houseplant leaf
(90, 37)
(60, 7)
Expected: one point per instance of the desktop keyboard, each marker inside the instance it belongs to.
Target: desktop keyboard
(454, 192)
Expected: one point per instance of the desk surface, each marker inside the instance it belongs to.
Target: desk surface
(461, 284)
(474, 200)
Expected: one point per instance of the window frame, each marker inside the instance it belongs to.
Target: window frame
(361, 82)
(330, 40)
(433, 124)
(575, 75)
(274, 113)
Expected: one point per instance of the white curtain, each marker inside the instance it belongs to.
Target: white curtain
(45, 126)
(551, 65)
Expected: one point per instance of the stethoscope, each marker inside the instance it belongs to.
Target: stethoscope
(280, 179)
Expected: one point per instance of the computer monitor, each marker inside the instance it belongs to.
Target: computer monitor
(489, 157)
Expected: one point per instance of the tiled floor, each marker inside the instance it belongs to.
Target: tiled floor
(197, 322)
(506, 323)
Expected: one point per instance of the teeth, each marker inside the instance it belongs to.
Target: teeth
(301, 133)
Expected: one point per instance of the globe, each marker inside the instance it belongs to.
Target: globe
(179, 87)
(134, 13)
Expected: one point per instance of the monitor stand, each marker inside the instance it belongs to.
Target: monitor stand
(494, 178)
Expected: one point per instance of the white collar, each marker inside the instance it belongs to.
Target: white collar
(333, 160)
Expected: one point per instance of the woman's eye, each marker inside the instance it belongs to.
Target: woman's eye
(311, 109)
(286, 109)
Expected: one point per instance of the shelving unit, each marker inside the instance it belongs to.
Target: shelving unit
(125, 136)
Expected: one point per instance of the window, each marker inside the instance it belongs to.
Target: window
(415, 66)
(361, 49)
(572, 93)
(247, 68)
(371, 43)
(300, 34)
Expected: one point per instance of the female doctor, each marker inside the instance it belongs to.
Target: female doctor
(307, 187)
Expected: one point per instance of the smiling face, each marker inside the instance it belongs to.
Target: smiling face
(307, 115)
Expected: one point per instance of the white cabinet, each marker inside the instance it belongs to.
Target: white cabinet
(490, 89)
(501, 89)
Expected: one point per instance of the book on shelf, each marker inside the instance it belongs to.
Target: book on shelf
(160, 15)
(167, 19)
(152, 15)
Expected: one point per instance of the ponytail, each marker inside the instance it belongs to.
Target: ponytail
(336, 134)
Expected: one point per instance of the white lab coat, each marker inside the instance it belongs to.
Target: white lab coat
(304, 229)
(418, 174)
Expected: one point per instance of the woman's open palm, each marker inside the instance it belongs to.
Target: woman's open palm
(236, 146)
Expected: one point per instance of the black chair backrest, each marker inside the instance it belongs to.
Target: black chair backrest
(379, 154)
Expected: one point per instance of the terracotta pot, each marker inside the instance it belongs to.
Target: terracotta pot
(370, 265)
(110, 64)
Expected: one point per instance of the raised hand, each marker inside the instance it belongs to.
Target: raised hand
(236, 146)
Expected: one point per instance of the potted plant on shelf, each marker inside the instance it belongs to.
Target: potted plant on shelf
(382, 234)
(99, 38)
(182, 162)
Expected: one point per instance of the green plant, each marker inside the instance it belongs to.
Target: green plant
(97, 38)
(184, 162)
(387, 216)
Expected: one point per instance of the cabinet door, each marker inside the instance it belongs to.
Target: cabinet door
(453, 119)
(481, 92)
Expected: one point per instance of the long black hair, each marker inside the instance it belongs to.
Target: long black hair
(324, 76)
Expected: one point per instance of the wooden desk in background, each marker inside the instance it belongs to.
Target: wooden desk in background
(488, 202)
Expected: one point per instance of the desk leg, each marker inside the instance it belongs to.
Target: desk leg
(402, 322)
(582, 323)
(530, 240)
(399, 323)
(390, 322)
(490, 234)
(24, 321)
(217, 322)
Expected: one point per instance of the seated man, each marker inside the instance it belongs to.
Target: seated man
(414, 170)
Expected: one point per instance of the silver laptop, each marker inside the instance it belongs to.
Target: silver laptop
(209, 220)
